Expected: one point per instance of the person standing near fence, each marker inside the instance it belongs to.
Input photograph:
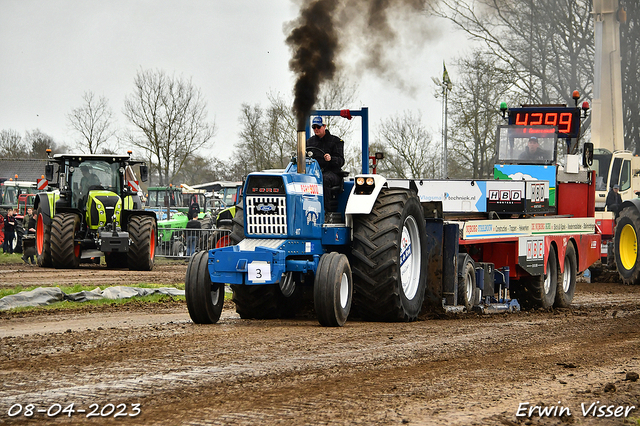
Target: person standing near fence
(193, 232)
(9, 227)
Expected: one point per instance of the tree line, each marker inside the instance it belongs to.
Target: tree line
(527, 52)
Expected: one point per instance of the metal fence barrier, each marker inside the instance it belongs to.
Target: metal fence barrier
(183, 243)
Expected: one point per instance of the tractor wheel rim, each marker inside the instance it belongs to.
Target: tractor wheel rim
(152, 244)
(344, 290)
(628, 247)
(40, 235)
(410, 258)
(547, 280)
(215, 293)
(469, 287)
(566, 276)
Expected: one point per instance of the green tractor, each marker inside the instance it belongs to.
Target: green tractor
(94, 210)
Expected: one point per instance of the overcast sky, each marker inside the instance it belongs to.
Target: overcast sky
(53, 51)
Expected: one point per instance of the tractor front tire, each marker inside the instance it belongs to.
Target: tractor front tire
(43, 240)
(142, 250)
(204, 298)
(65, 253)
(388, 252)
(333, 290)
(626, 243)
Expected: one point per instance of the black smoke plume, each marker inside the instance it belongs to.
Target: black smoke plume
(318, 37)
(314, 42)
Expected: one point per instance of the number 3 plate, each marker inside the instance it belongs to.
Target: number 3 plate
(259, 271)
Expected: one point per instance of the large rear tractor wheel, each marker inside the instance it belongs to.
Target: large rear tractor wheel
(142, 250)
(389, 272)
(539, 291)
(43, 240)
(204, 298)
(567, 279)
(626, 243)
(332, 290)
(65, 253)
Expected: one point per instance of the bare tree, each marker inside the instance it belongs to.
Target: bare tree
(268, 135)
(629, 48)
(411, 154)
(39, 142)
(546, 45)
(474, 116)
(169, 115)
(11, 145)
(93, 121)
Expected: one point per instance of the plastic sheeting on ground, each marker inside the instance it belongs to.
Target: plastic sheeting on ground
(42, 296)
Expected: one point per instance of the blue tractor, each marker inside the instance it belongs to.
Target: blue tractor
(372, 259)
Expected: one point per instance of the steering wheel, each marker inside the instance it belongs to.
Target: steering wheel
(92, 187)
(309, 154)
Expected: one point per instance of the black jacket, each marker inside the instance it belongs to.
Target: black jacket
(614, 201)
(331, 145)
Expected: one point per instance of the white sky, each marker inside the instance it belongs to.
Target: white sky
(55, 50)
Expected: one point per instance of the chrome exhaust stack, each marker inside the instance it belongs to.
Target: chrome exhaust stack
(302, 154)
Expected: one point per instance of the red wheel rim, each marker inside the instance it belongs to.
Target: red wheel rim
(40, 235)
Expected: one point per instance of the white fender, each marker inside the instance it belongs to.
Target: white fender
(363, 203)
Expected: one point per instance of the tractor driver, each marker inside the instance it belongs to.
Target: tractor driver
(329, 154)
(88, 180)
(534, 152)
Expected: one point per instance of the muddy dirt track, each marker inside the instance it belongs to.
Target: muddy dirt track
(151, 361)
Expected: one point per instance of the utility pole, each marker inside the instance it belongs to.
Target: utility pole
(446, 88)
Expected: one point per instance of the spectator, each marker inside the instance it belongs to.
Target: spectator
(614, 200)
(29, 250)
(193, 206)
(9, 232)
(192, 236)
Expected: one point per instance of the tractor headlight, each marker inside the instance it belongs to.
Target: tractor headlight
(365, 185)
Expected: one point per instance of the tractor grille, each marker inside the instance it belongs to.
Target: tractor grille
(266, 215)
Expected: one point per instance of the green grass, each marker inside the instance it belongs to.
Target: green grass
(10, 258)
(79, 287)
(68, 305)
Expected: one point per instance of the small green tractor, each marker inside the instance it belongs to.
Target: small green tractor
(93, 209)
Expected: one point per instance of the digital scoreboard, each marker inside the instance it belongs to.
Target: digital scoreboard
(567, 120)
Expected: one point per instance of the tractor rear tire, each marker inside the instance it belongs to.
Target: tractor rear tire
(539, 291)
(43, 240)
(204, 298)
(388, 252)
(333, 290)
(65, 253)
(626, 243)
(466, 282)
(567, 279)
(142, 250)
